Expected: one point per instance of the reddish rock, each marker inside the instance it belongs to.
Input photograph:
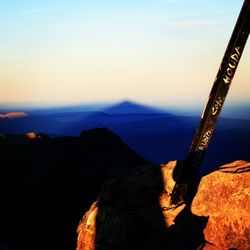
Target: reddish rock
(134, 208)
(86, 230)
(224, 196)
(31, 135)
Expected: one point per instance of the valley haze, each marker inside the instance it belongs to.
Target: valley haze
(156, 133)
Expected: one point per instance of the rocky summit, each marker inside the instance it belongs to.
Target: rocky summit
(134, 212)
(47, 182)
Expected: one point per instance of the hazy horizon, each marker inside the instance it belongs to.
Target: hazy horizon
(231, 110)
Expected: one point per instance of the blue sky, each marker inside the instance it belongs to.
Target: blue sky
(164, 52)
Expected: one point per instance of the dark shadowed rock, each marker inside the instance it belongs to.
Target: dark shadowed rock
(46, 184)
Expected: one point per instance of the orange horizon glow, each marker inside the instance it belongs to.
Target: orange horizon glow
(13, 115)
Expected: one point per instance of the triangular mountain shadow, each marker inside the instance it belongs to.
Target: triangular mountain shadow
(128, 107)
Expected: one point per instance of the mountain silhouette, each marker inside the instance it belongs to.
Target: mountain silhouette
(46, 183)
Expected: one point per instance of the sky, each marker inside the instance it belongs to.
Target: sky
(163, 52)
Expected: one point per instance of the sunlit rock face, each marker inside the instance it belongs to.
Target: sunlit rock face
(86, 231)
(224, 196)
(31, 135)
(134, 212)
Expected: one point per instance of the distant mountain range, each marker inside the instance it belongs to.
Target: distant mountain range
(156, 134)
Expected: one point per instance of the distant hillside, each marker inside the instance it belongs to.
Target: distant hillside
(156, 135)
(240, 111)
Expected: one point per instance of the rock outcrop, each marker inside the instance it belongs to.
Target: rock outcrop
(46, 184)
(224, 196)
(134, 212)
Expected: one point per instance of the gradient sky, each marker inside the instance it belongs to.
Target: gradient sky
(164, 52)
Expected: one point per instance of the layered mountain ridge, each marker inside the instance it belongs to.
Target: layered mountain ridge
(157, 135)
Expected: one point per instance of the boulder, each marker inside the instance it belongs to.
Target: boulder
(224, 197)
(134, 212)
